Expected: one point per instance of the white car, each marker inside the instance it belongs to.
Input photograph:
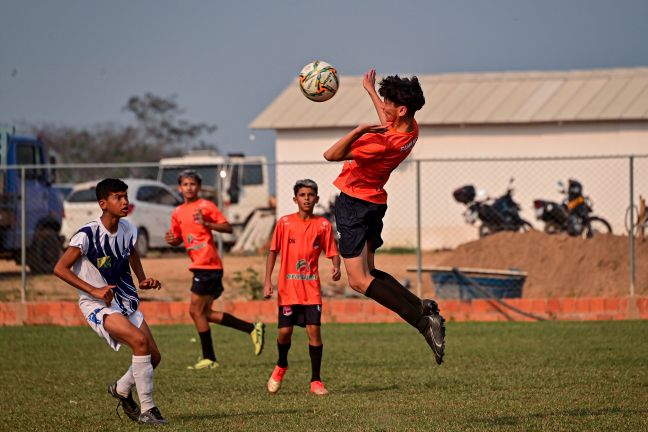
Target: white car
(151, 205)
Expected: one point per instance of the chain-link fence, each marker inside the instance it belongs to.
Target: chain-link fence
(423, 213)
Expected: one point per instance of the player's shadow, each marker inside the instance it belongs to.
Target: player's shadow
(249, 414)
(513, 420)
(366, 389)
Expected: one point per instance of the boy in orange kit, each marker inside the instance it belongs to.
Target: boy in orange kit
(371, 152)
(300, 238)
(193, 223)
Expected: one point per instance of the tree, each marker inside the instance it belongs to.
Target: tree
(159, 124)
(158, 132)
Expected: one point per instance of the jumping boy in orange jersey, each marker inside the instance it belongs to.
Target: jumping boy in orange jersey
(193, 223)
(300, 238)
(371, 153)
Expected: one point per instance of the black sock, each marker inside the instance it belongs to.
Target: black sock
(283, 354)
(393, 299)
(207, 345)
(316, 361)
(391, 280)
(235, 323)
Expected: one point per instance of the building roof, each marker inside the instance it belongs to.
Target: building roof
(479, 98)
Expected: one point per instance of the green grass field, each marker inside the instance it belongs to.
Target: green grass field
(501, 376)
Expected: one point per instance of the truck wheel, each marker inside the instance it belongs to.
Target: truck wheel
(44, 251)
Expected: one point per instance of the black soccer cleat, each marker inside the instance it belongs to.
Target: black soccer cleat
(128, 404)
(152, 417)
(434, 334)
(430, 307)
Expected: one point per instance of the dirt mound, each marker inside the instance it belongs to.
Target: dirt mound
(559, 265)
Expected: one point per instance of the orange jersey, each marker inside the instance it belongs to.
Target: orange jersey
(375, 156)
(300, 243)
(198, 240)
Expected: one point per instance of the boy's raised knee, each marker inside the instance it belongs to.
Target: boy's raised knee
(156, 358)
(359, 285)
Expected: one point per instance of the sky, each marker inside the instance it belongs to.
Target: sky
(76, 62)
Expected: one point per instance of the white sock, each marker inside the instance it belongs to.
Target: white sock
(126, 383)
(143, 374)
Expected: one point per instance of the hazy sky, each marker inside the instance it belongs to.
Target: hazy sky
(76, 63)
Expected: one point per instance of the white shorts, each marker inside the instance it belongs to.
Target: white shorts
(94, 313)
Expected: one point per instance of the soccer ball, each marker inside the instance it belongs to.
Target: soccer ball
(318, 81)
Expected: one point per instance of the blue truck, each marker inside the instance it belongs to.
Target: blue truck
(43, 205)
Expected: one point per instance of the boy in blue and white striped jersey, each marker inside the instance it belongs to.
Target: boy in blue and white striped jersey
(98, 263)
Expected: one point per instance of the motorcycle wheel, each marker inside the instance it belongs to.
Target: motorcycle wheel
(526, 226)
(597, 225)
(552, 228)
(484, 231)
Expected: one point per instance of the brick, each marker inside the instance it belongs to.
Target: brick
(481, 306)
(642, 305)
(537, 306)
(568, 305)
(353, 308)
(583, 305)
(449, 307)
(612, 304)
(597, 305)
(554, 307)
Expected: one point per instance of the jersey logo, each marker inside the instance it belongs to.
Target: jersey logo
(302, 265)
(291, 241)
(303, 272)
(93, 316)
(197, 247)
(104, 262)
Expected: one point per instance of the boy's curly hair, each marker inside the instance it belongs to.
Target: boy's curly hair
(403, 91)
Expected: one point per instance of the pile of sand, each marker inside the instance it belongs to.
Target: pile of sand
(559, 265)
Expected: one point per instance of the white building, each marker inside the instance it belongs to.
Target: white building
(480, 115)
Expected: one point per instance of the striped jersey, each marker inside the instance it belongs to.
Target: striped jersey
(104, 261)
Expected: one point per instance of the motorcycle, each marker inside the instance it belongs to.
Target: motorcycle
(329, 213)
(573, 215)
(500, 214)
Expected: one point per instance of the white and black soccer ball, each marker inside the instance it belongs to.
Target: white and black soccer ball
(318, 81)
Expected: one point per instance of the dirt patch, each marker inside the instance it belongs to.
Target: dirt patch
(557, 266)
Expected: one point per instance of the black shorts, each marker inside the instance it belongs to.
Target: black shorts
(300, 315)
(207, 283)
(358, 221)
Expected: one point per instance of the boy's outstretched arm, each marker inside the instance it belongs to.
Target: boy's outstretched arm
(136, 264)
(335, 273)
(63, 272)
(369, 83)
(341, 150)
(268, 289)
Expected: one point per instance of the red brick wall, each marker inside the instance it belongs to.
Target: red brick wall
(347, 311)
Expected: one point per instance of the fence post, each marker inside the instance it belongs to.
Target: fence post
(23, 237)
(219, 204)
(631, 233)
(419, 252)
